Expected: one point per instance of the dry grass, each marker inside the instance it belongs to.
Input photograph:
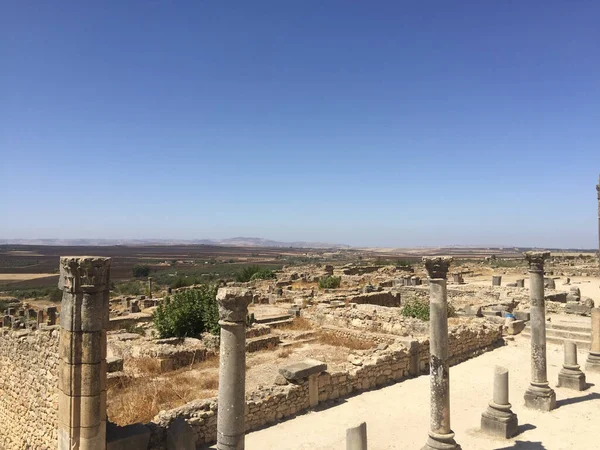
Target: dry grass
(298, 324)
(140, 398)
(351, 343)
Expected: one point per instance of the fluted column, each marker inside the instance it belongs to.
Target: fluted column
(233, 310)
(538, 395)
(84, 316)
(441, 435)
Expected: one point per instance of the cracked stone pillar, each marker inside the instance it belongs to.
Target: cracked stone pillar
(233, 310)
(539, 395)
(356, 437)
(571, 376)
(82, 351)
(592, 363)
(498, 420)
(440, 433)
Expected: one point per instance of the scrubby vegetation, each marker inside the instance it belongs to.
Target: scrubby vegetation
(330, 282)
(254, 273)
(140, 270)
(188, 313)
(51, 293)
(419, 309)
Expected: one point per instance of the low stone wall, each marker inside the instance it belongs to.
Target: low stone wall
(376, 319)
(377, 298)
(28, 389)
(365, 370)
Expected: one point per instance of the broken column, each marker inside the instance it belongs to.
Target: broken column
(571, 376)
(40, 318)
(496, 280)
(356, 437)
(233, 309)
(82, 352)
(440, 433)
(149, 287)
(539, 395)
(593, 360)
(498, 420)
(520, 283)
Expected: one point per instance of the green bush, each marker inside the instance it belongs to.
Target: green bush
(330, 282)
(254, 273)
(140, 270)
(419, 309)
(188, 313)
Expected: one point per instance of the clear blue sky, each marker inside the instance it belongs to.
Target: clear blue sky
(364, 123)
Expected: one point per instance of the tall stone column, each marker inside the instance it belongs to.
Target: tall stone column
(440, 433)
(149, 287)
(592, 363)
(233, 310)
(539, 395)
(82, 351)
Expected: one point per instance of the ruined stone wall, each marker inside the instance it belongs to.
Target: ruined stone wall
(370, 369)
(28, 389)
(377, 298)
(376, 319)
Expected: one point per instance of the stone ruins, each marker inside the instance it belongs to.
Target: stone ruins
(59, 364)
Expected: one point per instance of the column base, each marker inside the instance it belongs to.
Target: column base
(540, 397)
(441, 442)
(499, 421)
(571, 379)
(592, 363)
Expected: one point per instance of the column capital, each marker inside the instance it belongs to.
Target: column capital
(233, 303)
(437, 266)
(536, 259)
(84, 273)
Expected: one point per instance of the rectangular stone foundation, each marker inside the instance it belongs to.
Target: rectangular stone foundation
(572, 381)
(499, 427)
(540, 401)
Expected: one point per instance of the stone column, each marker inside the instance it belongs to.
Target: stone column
(592, 363)
(149, 287)
(440, 433)
(521, 283)
(51, 311)
(356, 437)
(82, 353)
(497, 280)
(538, 395)
(571, 376)
(498, 419)
(233, 309)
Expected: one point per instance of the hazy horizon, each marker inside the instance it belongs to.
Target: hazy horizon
(396, 125)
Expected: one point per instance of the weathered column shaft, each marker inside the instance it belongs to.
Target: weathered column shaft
(570, 353)
(501, 386)
(233, 309)
(438, 346)
(539, 395)
(82, 353)
(440, 433)
(538, 326)
(356, 437)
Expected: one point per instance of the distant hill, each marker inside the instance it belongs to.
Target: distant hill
(231, 242)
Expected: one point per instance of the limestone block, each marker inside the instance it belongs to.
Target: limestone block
(82, 379)
(85, 311)
(515, 327)
(84, 412)
(82, 438)
(180, 435)
(78, 347)
(303, 369)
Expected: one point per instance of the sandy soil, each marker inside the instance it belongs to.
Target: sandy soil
(398, 416)
(23, 276)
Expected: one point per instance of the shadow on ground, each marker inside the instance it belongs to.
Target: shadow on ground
(523, 428)
(574, 400)
(524, 445)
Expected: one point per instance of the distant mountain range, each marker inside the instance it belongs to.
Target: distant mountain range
(231, 242)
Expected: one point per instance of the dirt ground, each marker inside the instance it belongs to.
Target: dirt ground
(398, 416)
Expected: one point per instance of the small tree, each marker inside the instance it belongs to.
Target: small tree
(140, 270)
(188, 313)
(254, 273)
(330, 282)
(419, 309)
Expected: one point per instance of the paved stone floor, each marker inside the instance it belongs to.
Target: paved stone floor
(398, 416)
